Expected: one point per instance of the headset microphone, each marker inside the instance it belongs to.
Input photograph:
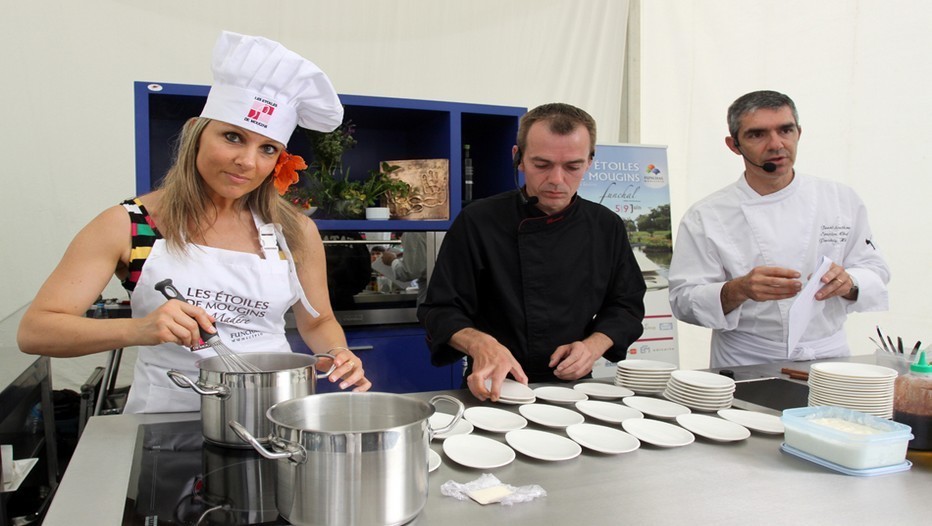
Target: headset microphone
(767, 167)
(530, 201)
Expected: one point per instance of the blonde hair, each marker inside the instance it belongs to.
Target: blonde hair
(184, 198)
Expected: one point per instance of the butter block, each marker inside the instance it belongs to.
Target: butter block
(489, 495)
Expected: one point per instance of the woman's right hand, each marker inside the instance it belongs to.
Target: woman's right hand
(175, 321)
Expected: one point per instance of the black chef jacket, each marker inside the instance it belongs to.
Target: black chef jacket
(534, 282)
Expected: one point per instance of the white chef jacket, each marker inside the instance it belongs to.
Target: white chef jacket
(735, 229)
(248, 295)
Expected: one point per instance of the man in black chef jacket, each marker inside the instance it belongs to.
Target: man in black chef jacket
(536, 283)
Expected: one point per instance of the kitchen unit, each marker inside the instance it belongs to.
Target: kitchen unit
(27, 423)
(706, 482)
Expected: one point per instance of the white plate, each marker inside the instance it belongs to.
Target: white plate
(608, 411)
(508, 401)
(699, 397)
(704, 381)
(559, 395)
(513, 391)
(656, 407)
(603, 391)
(694, 405)
(713, 428)
(645, 365)
(494, 420)
(438, 420)
(603, 439)
(550, 415)
(754, 420)
(852, 372)
(543, 445)
(658, 433)
(433, 461)
(474, 451)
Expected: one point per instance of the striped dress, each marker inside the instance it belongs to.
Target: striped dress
(144, 234)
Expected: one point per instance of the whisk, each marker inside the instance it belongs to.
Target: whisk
(233, 362)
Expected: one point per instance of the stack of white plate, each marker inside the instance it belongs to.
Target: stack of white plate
(859, 386)
(643, 376)
(700, 390)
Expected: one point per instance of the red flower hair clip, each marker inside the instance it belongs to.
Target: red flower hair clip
(286, 171)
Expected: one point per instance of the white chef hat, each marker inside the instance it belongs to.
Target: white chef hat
(265, 88)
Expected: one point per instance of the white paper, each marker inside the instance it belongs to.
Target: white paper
(801, 310)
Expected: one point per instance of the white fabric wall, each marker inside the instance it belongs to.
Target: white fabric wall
(859, 73)
(68, 71)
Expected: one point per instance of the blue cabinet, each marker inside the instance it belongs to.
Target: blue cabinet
(386, 128)
(396, 360)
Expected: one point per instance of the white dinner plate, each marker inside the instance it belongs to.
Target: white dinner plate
(658, 433)
(494, 420)
(514, 391)
(694, 405)
(509, 401)
(713, 428)
(543, 445)
(433, 461)
(697, 396)
(608, 411)
(645, 365)
(603, 391)
(438, 420)
(853, 372)
(656, 407)
(704, 381)
(559, 395)
(550, 415)
(474, 451)
(602, 438)
(753, 420)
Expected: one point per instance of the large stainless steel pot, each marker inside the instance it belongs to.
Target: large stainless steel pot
(245, 397)
(351, 458)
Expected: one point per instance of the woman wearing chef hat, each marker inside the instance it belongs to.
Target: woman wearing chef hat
(217, 227)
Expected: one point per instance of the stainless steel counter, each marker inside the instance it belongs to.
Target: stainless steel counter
(747, 482)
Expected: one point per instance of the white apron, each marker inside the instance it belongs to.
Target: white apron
(247, 294)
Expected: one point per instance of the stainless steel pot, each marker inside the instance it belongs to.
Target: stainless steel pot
(351, 458)
(245, 397)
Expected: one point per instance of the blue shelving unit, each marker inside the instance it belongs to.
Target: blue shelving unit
(386, 129)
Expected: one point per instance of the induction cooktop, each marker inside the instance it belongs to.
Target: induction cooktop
(179, 479)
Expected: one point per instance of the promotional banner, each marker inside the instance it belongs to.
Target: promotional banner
(632, 181)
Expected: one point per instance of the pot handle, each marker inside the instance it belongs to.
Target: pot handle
(295, 454)
(456, 418)
(186, 383)
(333, 364)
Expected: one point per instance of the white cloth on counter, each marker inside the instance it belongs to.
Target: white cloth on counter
(735, 229)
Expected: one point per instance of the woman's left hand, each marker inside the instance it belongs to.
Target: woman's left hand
(349, 369)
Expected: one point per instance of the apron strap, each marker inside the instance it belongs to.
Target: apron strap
(272, 239)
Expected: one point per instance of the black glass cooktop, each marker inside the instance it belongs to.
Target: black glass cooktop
(179, 479)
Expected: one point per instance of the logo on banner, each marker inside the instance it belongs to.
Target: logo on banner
(654, 178)
(261, 112)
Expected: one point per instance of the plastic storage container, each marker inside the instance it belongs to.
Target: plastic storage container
(912, 402)
(835, 434)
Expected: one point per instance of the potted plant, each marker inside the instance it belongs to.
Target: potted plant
(379, 187)
(328, 180)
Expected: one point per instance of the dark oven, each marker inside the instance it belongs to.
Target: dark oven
(363, 290)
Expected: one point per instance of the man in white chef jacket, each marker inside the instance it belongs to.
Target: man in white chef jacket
(743, 253)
